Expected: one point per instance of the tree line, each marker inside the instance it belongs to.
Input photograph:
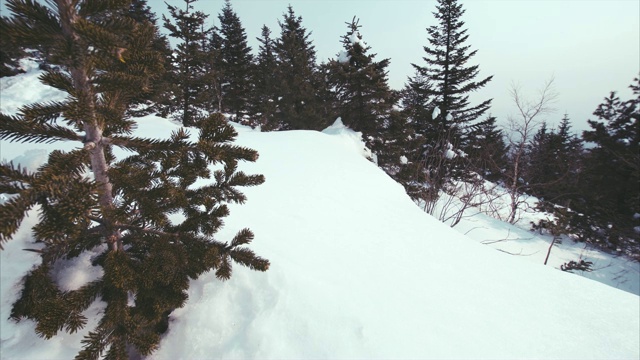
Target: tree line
(114, 61)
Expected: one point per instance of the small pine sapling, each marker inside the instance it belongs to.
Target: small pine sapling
(119, 208)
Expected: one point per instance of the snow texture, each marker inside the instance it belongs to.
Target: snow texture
(343, 57)
(436, 112)
(358, 271)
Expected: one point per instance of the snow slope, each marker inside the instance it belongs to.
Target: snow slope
(358, 271)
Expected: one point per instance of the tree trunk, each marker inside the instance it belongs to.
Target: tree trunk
(94, 141)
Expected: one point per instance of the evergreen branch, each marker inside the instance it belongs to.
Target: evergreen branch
(249, 259)
(141, 145)
(41, 113)
(224, 269)
(145, 230)
(243, 237)
(13, 212)
(82, 298)
(94, 344)
(14, 129)
(97, 35)
(57, 79)
(73, 164)
(32, 25)
(14, 179)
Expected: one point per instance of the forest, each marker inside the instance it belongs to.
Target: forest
(115, 61)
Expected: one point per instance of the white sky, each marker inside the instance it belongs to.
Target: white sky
(591, 47)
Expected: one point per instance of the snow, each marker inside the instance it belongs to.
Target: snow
(354, 38)
(449, 117)
(436, 112)
(350, 139)
(357, 271)
(404, 160)
(343, 57)
(449, 152)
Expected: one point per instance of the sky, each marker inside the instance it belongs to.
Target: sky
(590, 47)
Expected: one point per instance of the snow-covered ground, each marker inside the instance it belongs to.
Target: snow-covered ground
(358, 271)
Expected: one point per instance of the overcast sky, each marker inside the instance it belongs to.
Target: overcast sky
(591, 47)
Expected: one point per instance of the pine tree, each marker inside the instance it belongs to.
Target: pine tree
(101, 59)
(236, 63)
(189, 61)
(264, 96)
(364, 98)
(451, 80)
(299, 106)
(612, 169)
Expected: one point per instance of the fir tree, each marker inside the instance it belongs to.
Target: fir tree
(189, 61)
(264, 96)
(299, 106)
(553, 166)
(101, 59)
(443, 85)
(236, 62)
(612, 169)
(212, 76)
(487, 149)
(451, 79)
(364, 99)
(158, 100)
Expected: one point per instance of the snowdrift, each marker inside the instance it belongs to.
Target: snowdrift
(358, 271)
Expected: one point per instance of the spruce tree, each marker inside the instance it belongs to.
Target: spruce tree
(487, 149)
(264, 95)
(451, 79)
(298, 103)
(121, 208)
(189, 61)
(553, 164)
(159, 99)
(611, 176)
(442, 85)
(364, 99)
(236, 63)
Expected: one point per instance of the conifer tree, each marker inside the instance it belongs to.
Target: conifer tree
(10, 52)
(553, 167)
(236, 62)
(264, 96)
(363, 96)
(298, 103)
(394, 151)
(189, 61)
(451, 79)
(437, 101)
(101, 59)
(158, 100)
(611, 176)
(212, 76)
(487, 149)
